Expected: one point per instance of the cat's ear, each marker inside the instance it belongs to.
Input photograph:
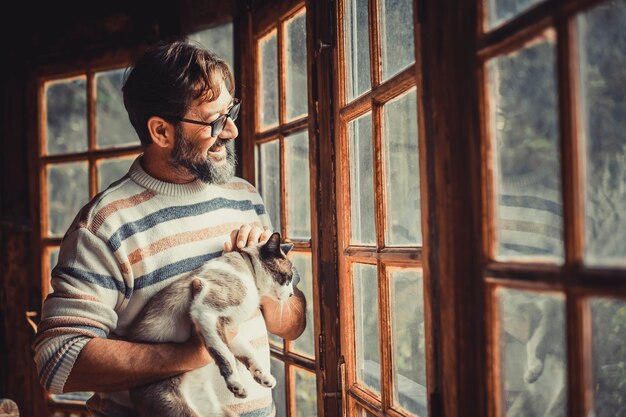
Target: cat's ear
(286, 247)
(272, 246)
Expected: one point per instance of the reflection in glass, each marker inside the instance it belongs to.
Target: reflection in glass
(306, 394)
(365, 293)
(296, 68)
(501, 10)
(409, 352)
(268, 180)
(603, 91)
(357, 47)
(66, 116)
(297, 183)
(53, 259)
(532, 346)
(608, 332)
(305, 344)
(362, 224)
(526, 135)
(277, 369)
(268, 60)
(111, 170)
(402, 177)
(219, 40)
(68, 192)
(398, 51)
(113, 127)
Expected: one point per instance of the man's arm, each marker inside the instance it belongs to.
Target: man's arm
(286, 319)
(114, 365)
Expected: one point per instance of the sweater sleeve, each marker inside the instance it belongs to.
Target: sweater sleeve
(87, 287)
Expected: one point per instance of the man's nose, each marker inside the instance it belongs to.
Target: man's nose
(230, 130)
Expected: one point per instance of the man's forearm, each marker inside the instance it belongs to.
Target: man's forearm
(287, 320)
(114, 365)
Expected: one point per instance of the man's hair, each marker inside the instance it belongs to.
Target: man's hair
(167, 78)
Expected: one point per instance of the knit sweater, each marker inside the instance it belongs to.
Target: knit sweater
(129, 242)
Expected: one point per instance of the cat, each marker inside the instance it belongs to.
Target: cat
(222, 293)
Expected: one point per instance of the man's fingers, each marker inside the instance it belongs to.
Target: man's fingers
(254, 236)
(242, 237)
(228, 246)
(265, 235)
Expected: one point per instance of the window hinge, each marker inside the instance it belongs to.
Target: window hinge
(320, 350)
(342, 383)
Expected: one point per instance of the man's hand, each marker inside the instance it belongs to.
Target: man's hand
(247, 235)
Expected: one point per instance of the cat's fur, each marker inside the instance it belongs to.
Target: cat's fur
(222, 293)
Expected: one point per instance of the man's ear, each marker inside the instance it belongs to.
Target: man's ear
(161, 132)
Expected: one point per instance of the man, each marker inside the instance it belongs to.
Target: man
(179, 206)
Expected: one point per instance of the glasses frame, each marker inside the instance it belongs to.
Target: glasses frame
(218, 124)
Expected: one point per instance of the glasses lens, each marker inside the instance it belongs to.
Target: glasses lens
(234, 112)
(218, 126)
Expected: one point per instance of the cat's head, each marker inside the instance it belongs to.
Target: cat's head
(276, 279)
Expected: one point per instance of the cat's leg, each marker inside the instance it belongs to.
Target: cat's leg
(163, 399)
(244, 352)
(206, 324)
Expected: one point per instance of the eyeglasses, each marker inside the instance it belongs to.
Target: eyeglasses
(218, 124)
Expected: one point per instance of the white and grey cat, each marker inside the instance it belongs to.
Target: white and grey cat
(222, 293)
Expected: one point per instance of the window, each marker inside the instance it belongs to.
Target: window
(380, 233)
(86, 143)
(282, 161)
(553, 137)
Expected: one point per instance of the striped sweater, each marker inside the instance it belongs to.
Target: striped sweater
(129, 242)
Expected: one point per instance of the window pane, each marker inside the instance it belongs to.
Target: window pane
(113, 127)
(525, 130)
(53, 259)
(66, 114)
(501, 10)
(409, 353)
(357, 47)
(68, 192)
(402, 172)
(219, 40)
(363, 229)
(296, 71)
(111, 170)
(305, 344)
(603, 59)
(306, 394)
(268, 58)
(297, 183)
(278, 392)
(365, 283)
(532, 346)
(269, 179)
(608, 318)
(398, 50)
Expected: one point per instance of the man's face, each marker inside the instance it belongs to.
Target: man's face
(196, 152)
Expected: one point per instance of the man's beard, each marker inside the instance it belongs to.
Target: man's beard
(188, 157)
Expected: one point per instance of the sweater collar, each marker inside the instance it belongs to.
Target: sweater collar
(141, 177)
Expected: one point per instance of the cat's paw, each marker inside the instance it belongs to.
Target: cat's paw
(264, 379)
(534, 371)
(236, 388)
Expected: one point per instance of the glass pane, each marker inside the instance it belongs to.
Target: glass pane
(398, 50)
(306, 394)
(603, 59)
(501, 10)
(365, 283)
(532, 346)
(269, 179)
(268, 105)
(409, 352)
(68, 192)
(608, 318)
(402, 177)
(277, 369)
(526, 148)
(357, 48)
(66, 114)
(305, 344)
(219, 40)
(297, 183)
(296, 70)
(113, 127)
(111, 170)
(363, 226)
(53, 259)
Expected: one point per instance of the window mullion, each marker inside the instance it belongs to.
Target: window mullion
(375, 67)
(385, 335)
